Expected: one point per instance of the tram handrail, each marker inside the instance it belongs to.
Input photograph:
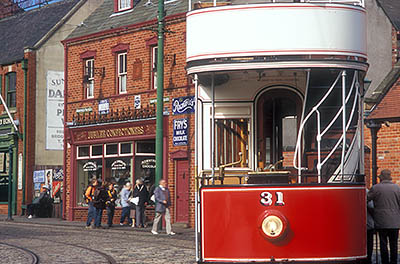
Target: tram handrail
(313, 110)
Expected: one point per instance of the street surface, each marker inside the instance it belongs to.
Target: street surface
(42, 240)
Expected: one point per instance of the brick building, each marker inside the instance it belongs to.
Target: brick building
(382, 122)
(31, 77)
(110, 104)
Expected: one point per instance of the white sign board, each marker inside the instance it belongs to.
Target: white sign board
(55, 110)
(20, 171)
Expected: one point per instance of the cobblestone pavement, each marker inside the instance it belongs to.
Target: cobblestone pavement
(56, 241)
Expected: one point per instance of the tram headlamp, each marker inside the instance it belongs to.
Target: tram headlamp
(273, 225)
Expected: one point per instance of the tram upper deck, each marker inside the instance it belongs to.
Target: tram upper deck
(279, 91)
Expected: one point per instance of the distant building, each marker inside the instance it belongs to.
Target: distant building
(111, 102)
(31, 83)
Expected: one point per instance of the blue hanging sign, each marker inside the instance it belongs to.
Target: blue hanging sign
(104, 107)
(181, 128)
(183, 105)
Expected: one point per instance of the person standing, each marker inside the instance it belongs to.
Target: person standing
(141, 192)
(163, 202)
(89, 195)
(111, 198)
(386, 198)
(99, 202)
(126, 207)
(370, 230)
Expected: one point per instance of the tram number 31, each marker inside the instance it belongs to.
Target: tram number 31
(267, 200)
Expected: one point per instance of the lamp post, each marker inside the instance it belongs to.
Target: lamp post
(160, 93)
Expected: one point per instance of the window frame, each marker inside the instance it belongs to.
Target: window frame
(122, 74)
(8, 92)
(124, 8)
(89, 71)
(153, 63)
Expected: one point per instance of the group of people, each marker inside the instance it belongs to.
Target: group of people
(383, 217)
(133, 201)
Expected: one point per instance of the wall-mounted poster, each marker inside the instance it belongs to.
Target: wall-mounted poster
(183, 105)
(180, 132)
(55, 110)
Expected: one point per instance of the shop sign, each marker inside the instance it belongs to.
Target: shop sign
(38, 176)
(118, 165)
(20, 171)
(183, 105)
(5, 121)
(137, 102)
(104, 107)
(84, 110)
(154, 101)
(148, 164)
(89, 166)
(55, 110)
(180, 137)
(3, 180)
(114, 132)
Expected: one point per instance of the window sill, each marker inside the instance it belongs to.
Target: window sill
(122, 12)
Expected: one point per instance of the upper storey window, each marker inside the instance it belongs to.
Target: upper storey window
(11, 88)
(122, 5)
(153, 62)
(122, 73)
(89, 73)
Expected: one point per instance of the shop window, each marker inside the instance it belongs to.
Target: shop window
(11, 87)
(87, 170)
(145, 162)
(122, 74)
(111, 149)
(83, 152)
(97, 151)
(144, 147)
(126, 148)
(3, 177)
(119, 171)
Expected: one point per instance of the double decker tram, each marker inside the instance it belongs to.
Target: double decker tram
(279, 131)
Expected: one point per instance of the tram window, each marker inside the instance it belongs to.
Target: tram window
(289, 132)
(231, 138)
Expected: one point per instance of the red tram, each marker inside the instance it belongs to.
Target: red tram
(279, 130)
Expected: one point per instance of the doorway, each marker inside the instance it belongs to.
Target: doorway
(278, 119)
(182, 191)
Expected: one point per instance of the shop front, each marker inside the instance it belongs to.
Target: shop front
(118, 153)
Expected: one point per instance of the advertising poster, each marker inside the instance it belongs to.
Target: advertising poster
(58, 177)
(49, 180)
(38, 176)
(183, 105)
(55, 110)
(180, 132)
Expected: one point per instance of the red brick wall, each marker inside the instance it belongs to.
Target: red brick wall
(175, 83)
(388, 149)
(18, 113)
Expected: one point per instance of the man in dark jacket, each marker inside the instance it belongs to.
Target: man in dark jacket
(163, 202)
(386, 197)
(141, 192)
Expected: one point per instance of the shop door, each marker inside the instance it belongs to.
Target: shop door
(182, 191)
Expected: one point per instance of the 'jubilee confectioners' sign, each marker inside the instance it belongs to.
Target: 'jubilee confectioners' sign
(115, 132)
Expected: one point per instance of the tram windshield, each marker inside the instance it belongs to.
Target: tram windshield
(309, 133)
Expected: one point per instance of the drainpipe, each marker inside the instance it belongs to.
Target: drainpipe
(374, 127)
(160, 94)
(64, 194)
(25, 68)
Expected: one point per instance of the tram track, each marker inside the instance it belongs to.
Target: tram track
(34, 258)
(64, 241)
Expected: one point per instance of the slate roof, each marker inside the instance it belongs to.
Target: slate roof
(103, 18)
(388, 98)
(392, 9)
(27, 28)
